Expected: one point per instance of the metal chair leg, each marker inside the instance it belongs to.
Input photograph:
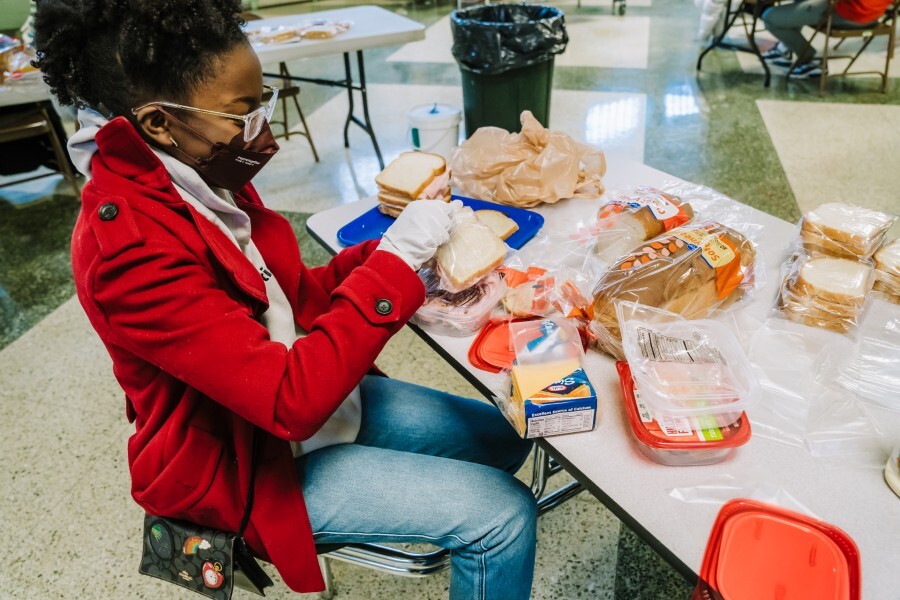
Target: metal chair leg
(325, 567)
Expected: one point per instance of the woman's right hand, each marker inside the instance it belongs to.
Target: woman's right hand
(422, 227)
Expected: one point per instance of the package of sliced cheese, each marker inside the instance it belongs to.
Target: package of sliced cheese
(472, 253)
(825, 291)
(689, 271)
(844, 230)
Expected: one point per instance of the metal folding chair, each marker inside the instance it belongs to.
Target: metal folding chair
(885, 26)
(396, 561)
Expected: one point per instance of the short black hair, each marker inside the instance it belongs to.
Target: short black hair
(110, 54)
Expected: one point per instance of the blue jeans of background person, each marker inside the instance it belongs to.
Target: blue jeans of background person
(786, 22)
(436, 468)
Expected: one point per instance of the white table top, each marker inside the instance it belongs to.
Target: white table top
(372, 27)
(34, 91)
(636, 489)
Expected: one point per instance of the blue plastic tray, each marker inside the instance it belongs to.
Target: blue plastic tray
(371, 225)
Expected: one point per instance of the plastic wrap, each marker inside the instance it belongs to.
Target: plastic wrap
(676, 441)
(825, 291)
(692, 372)
(887, 272)
(553, 275)
(527, 168)
(872, 370)
(722, 488)
(471, 254)
(635, 216)
(844, 230)
(457, 314)
(496, 38)
(286, 34)
(689, 271)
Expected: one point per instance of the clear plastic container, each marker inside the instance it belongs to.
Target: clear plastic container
(461, 314)
(675, 441)
(545, 340)
(695, 370)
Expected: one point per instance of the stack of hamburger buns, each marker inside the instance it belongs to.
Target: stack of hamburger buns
(412, 176)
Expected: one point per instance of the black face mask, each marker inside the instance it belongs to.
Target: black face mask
(231, 166)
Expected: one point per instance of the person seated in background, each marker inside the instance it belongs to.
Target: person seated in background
(786, 22)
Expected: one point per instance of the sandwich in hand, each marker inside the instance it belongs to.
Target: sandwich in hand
(412, 176)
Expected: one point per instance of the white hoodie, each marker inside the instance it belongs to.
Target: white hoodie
(218, 206)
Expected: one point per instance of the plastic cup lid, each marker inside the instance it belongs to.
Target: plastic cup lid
(757, 550)
(492, 347)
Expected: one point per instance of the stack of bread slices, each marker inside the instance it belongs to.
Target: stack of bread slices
(826, 292)
(412, 176)
(844, 230)
(887, 272)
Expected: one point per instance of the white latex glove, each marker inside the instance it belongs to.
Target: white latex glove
(419, 230)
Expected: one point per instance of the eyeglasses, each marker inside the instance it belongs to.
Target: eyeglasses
(253, 122)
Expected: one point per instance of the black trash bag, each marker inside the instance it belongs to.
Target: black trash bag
(496, 38)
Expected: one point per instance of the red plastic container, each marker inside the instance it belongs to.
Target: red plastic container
(678, 441)
(758, 551)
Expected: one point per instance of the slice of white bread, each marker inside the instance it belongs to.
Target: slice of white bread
(838, 280)
(887, 259)
(472, 252)
(816, 243)
(836, 326)
(499, 223)
(888, 288)
(894, 298)
(410, 173)
(849, 225)
(400, 201)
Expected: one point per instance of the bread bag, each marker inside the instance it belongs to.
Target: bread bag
(688, 271)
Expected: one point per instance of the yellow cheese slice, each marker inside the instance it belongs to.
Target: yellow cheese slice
(528, 380)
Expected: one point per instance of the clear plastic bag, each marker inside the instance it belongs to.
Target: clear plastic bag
(552, 275)
(690, 271)
(471, 254)
(690, 370)
(887, 272)
(872, 369)
(634, 216)
(457, 314)
(720, 489)
(527, 168)
(825, 291)
(712, 205)
(844, 230)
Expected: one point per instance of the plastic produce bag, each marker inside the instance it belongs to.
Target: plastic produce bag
(499, 37)
(527, 168)
(873, 371)
(720, 489)
(688, 271)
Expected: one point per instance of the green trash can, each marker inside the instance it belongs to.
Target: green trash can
(505, 54)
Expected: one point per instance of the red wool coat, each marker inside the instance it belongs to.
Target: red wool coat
(175, 303)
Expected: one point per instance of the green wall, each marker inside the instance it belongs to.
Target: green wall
(13, 13)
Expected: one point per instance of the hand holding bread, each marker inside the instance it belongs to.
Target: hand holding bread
(419, 231)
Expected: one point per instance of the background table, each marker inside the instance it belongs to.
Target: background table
(635, 489)
(372, 27)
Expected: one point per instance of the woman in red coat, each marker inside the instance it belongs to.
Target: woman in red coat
(218, 332)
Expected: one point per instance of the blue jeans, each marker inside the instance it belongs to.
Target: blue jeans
(435, 468)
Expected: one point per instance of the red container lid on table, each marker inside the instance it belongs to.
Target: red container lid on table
(758, 551)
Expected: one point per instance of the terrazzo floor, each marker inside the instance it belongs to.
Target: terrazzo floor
(626, 84)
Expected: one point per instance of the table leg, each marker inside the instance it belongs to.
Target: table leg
(349, 80)
(365, 103)
(751, 37)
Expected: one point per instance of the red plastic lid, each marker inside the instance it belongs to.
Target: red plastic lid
(677, 435)
(492, 350)
(758, 550)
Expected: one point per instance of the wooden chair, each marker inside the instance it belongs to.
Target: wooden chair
(31, 123)
(884, 26)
